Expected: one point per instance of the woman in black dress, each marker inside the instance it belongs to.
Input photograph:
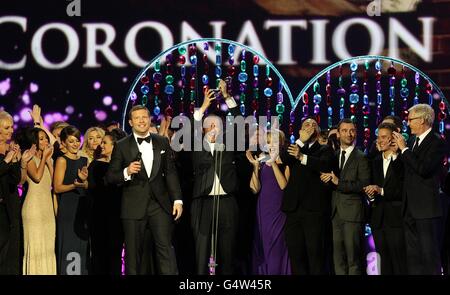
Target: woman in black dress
(70, 183)
(105, 224)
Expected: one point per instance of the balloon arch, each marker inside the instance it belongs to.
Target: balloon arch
(365, 88)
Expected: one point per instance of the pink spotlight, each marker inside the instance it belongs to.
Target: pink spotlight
(107, 100)
(25, 115)
(48, 119)
(57, 117)
(100, 115)
(5, 85)
(26, 98)
(70, 110)
(97, 85)
(34, 87)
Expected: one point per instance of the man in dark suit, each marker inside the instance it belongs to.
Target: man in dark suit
(385, 195)
(422, 206)
(351, 175)
(307, 201)
(143, 164)
(215, 175)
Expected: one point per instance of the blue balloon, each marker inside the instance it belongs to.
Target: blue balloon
(205, 79)
(317, 98)
(242, 109)
(145, 89)
(330, 111)
(354, 98)
(268, 92)
(218, 71)
(242, 77)
(193, 60)
(169, 89)
(255, 70)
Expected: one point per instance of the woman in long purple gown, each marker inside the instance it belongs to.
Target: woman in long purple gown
(270, 176)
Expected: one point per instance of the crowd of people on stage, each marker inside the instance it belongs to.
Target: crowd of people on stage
(279, 209)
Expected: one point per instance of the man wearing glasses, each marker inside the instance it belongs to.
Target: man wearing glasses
(421, 204)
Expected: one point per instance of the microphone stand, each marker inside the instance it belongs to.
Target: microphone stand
(215, 217)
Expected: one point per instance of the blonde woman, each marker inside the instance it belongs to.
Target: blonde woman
(269, 178)
(92, 139)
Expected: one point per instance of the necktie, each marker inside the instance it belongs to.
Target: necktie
(141, 139)
(416, 144)
(342, 160)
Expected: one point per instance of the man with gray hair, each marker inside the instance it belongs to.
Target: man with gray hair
(421, 204)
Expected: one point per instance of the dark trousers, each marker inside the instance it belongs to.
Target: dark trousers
(422, 245)
(201, 212)
(10, 244)
(160, 225)
(390, 244)
(347, 246)
(106, 244)
(306, 238)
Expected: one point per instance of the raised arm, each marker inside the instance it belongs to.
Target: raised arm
(255, 184)
(39, 123)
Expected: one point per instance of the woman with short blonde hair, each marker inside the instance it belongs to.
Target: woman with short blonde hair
(92, 139)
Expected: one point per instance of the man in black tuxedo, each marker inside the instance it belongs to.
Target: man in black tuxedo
(385, 195)
(351, 174)
(208, 183)
(143, 164)
(422, 206)
(307, 201)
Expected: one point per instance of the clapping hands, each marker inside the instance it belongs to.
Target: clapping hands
(327, 177)
(82, 175)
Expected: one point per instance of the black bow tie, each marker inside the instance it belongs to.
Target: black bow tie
(141, 139)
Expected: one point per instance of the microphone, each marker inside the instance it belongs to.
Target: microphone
(138, 159)
(219, 147)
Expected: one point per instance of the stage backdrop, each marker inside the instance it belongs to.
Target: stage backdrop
(79, 68)
(78, 59)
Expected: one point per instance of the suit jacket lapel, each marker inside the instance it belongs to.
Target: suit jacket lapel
(349, 161)
(156, 157)
(378, 171)
(134, 150)
(314, 147)
(425, 142)
(389, 171)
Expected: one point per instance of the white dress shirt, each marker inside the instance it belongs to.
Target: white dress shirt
(421, 138)
(386, 162)
(217, 188)
(305, 157)
(146, 149)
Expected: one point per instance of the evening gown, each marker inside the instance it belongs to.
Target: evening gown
(72, 230)
(105, 225)
(270, 255)
(39, 227)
